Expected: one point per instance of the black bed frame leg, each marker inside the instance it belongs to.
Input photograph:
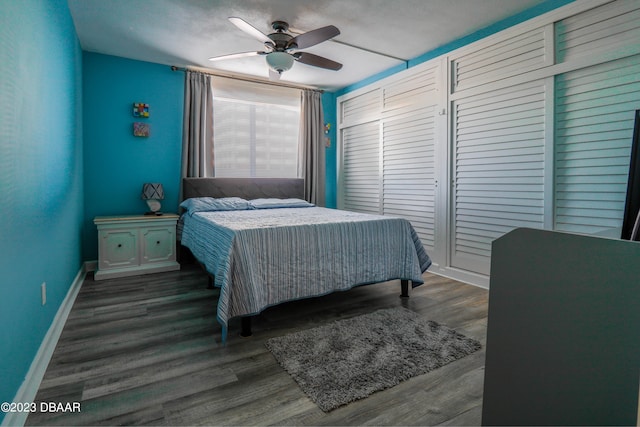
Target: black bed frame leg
(245, 326)
(404, 285)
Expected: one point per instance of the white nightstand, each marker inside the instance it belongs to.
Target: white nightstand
(136, 244)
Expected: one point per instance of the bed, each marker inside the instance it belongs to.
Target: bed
(264, 245)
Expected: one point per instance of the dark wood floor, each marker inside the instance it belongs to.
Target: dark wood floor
(146, 350)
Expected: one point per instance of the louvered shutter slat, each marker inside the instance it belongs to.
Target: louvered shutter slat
(594, 128)
(361, 164)
(499, 170)
(612, 26)
(408, 152)
(504, 58)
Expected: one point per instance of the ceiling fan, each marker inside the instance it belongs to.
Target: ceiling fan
(282, 49)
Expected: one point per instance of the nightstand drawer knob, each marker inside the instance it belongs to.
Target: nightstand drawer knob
(158, 242)
(119, 245)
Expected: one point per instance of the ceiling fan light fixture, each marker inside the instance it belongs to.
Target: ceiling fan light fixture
(279, 61)
(278, 47)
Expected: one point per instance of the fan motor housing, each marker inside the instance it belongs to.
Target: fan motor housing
(280, 26)
(281, 41)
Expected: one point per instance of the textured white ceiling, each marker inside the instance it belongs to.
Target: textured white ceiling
(187, 32)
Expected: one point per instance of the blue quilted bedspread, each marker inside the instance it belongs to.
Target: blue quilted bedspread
(264, 257)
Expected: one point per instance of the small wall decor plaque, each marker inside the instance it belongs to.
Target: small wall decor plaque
(140, 110)
(141, 129)
(327, 137)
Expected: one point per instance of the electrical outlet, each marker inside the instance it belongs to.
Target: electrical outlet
(43, 292)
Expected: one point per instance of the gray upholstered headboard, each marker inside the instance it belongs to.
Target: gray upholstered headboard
(247, 188)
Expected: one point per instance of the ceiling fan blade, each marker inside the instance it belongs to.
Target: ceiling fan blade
(236, 55)
(250, 29)
(316, 61)
(273, 75)
(314, 37)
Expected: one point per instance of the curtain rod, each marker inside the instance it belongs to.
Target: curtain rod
(244, 78)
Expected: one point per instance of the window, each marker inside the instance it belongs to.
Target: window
(255, 129)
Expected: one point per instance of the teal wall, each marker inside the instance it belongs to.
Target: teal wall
(41, 170)
(329, 110)
(116, 162)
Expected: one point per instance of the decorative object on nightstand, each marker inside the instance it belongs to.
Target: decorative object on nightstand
(153, 192)
(136, 244)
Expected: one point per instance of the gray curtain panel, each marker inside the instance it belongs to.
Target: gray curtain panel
(311, 163)
(197, 134)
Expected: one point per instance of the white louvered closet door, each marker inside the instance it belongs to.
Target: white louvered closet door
(594, 129)
(408, 166)
(595, 109)
(360, 156)
(498, 170)
(361, 160)
(388, 139)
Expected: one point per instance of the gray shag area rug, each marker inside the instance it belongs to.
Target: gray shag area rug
(350, 359)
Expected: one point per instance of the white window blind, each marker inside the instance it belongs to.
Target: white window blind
(255, 129)
(594, 128)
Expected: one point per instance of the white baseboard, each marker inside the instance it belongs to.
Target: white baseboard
(29, 388)
(91, 266)
(475, 279)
